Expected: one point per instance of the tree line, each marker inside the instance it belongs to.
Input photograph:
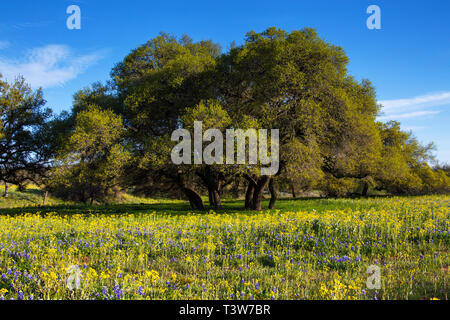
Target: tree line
(117, 136)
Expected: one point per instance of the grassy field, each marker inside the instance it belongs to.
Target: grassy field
(307, 249)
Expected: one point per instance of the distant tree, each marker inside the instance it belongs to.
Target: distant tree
(53, 136)
(92, 162)
(445, 167)
(404, 168)
(25, 150)
(302, 170)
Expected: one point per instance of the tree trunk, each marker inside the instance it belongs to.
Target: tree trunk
(235, 189)
(214, 183)
(293, 191)
(44, 201)
(194, 199)
(6, 195)
(249, 195)
(211, 198)
(365, 189)
(217, 200)
(258, 193)
(273, 193)
(214, 198)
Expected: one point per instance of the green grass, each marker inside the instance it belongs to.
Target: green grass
(30, 197)
(30, 201)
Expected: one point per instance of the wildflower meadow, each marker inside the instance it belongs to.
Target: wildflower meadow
(310, 249)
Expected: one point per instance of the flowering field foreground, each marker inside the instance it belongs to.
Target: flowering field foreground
(272, 255)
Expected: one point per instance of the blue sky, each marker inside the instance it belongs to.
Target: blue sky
(408, 60)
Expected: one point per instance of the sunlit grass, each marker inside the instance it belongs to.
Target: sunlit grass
(30, 197)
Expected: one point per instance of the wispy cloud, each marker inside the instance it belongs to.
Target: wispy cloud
(35, 24)
(429, 100)
(413, 128)
(4, 44)
(413, 107)
(408, 115)
(48, 66)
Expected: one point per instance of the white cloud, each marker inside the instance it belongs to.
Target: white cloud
(408, 115)
(48, 66)
(4, 44)
(413, 107)
(429, 100)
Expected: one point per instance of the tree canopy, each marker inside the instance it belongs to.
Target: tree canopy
(25, 145)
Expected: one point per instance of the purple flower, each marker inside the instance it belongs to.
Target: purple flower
(20, 295)
(118, 291)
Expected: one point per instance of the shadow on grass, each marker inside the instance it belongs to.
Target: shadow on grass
(109, 209)
(169, 207)
(31, 195)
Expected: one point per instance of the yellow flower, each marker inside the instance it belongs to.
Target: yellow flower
(153, 275)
